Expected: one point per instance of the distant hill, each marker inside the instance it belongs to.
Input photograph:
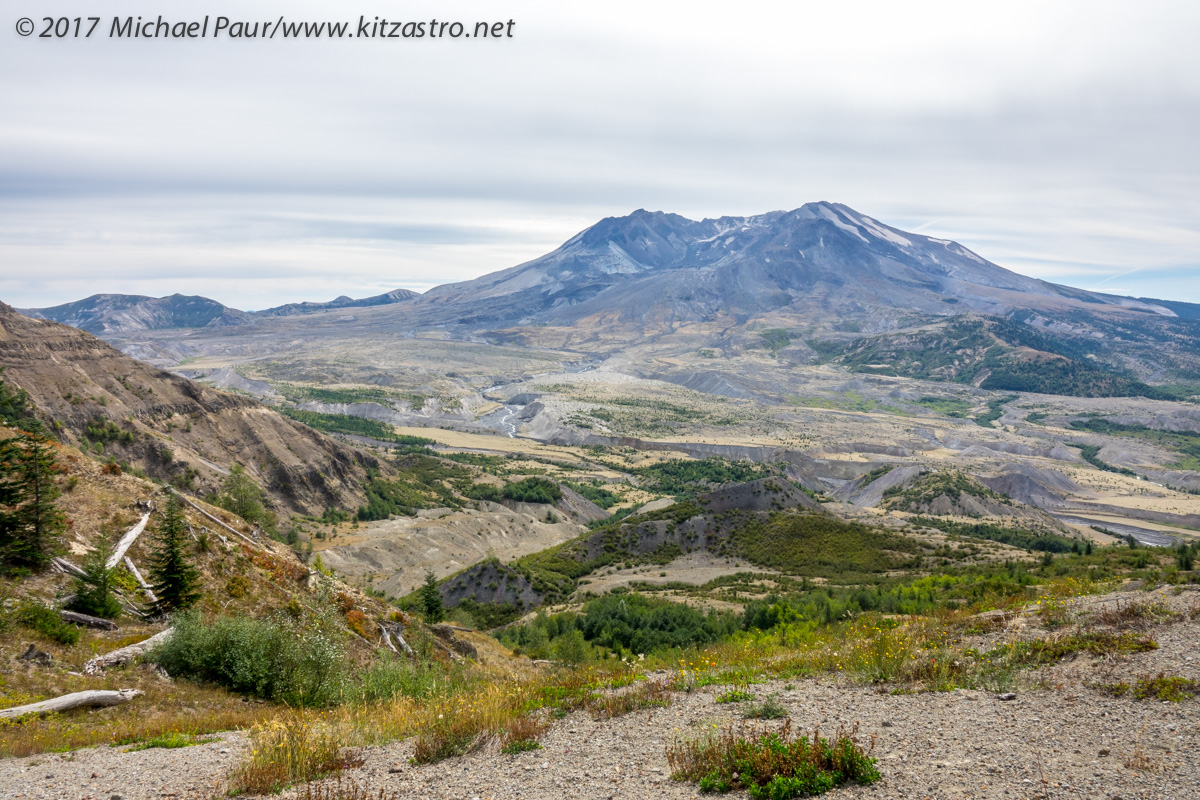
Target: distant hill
(293, 309)
(125, 314)
(114, 314)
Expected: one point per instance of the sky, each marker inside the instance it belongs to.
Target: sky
(1056, 139)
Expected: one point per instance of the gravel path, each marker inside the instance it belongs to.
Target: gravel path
(963, 744)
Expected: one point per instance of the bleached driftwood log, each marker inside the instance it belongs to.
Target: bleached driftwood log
(141, 581)
(212, 518)
(126, 542)
(88, 621)
(94, 698)
(125, 654)
(388, 634)
(62, 565)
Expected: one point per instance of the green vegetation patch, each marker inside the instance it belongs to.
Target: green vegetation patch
(627, 624)
(1186, 443)
(951, 484)
(995, 410)
(775, 339)
(172, 740)
(949, 406)
(1042, 652)
(1160, 687)
(533, 490)
(356, 426)
(1090, 454)
(301, 394)
(595, 492)
(1017, 537)
(775, 765)
(819, 545)
(687, 478)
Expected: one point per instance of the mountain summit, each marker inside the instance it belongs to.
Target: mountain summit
(822, 258)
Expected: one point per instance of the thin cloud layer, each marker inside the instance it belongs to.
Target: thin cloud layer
(1057, 141)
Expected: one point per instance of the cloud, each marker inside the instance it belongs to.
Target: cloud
(1055, 139)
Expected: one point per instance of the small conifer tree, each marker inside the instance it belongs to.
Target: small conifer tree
(172, 577)
(431, 599)
(30, 522)
(93, 590)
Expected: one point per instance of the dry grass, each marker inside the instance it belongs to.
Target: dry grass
(166, 708)
(342, 791)
(523, 733)
(1136, 614)
(289, 749)
(650, 694)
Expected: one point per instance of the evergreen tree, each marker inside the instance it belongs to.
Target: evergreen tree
(172, 578)
(30, 522)
(241, 495)
(14, 405)
(431, 599)
(93, 591)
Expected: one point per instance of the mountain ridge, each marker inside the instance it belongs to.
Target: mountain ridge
(120, 314)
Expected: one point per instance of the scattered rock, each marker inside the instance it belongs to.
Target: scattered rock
(35, 656)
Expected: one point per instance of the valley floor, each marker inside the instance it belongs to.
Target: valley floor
(1059, 738)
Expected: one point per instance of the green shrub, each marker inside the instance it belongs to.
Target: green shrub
(774, 765)
(280, 659)
(533, 490)
(485, 491)
(47, 622)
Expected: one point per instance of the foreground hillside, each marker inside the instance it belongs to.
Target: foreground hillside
(1079, 727)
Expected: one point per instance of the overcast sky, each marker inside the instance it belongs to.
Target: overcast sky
(1058, 139)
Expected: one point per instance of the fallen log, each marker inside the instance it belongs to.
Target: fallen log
(88, 621)
(126, 542)
(141, 581)
(212, 518)
(387, 638)
(62, 565)
(94, 698)
(124, 655)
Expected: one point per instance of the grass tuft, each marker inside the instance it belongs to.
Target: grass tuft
(1160, 687)
(171, 740)
(291, 749)
(770, 708)
(771, 764)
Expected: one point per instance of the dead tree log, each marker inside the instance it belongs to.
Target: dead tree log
(388, 634)
(94, 698)
(62, 565)
(141, 581)
(212, 518)
(125, 654)
(88, 621)
(126, 542)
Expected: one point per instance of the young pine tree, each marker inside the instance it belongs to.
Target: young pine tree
(30, 523)
(172, 577)
(431, 599)
(93, 591)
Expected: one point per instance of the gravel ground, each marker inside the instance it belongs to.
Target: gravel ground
(1063, 740)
